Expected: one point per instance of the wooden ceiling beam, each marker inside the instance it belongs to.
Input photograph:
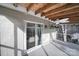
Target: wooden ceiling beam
(29, 6)
(67, 16)
(40, 7)
(63, 9)
(74, 19)
(54, 8)
(46, 6)
(65, 13)
(37, 6)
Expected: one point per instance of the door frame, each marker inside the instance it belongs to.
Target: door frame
(25, 34)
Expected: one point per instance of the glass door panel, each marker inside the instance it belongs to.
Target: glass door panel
(39, 28)
(39, 35)
(30, 35)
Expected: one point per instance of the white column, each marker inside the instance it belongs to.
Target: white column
(64, 28)
(36, 37)
(25, 36)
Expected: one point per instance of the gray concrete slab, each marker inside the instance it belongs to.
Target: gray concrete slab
(68, 44)
(37, 52)
(53, 51)
(67, 50)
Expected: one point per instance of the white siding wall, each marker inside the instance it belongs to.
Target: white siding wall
(48, 35)
(12, 31)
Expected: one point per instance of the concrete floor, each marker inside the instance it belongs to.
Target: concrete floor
(56, 48)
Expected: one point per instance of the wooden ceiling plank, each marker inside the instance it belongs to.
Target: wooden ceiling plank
(48, 5)
(55, 10)
(71, 18)
(73, 7)
(29, 6)
(36, 6)
(54, 7)
(74, 19)
(68, 15)
(65, 13)
(41, 6)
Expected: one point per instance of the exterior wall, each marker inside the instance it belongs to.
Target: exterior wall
(12, 28)
(11, 35)
(49, 35)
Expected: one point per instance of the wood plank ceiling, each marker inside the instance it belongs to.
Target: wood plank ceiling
(55, 11)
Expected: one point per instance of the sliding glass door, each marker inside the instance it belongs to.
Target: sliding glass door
(30, 35)
(33, 34)
(39, 32)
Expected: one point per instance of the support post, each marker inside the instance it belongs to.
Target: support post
(64, 28)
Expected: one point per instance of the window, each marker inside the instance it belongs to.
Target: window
(33, 34)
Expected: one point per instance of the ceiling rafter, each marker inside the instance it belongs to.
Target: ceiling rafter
(52, 11)
(42, 6)
(65, 13)
(48, 5)
(55, 11)
(67, 16)
(74, 19)
(71, 19)
(63, 8)
(37, 6)
(54, 7)
(28, 7)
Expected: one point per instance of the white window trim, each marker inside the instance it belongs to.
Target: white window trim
(25, 41)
